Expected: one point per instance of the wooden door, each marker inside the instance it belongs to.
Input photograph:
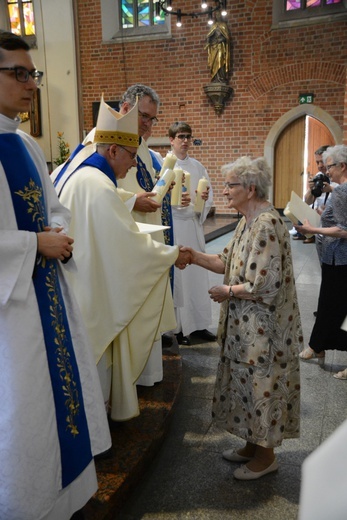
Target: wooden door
(289, 162)
(318, 135)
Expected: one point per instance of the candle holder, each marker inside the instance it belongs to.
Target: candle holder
(167, 8)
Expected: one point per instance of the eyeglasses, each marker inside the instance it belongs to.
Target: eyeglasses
(328, 166)
(22, 74)
(231, 184)
(183, 137)
(148, 119)
(133, 155)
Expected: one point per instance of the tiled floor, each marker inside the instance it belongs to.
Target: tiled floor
(136, 442)
(186, 479)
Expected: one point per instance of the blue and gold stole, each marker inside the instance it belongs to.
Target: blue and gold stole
(29, 206)
(95, 161)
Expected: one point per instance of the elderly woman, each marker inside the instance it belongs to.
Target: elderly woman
(257, 391)
(332, 251)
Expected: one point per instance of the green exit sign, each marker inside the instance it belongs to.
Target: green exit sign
(305, 98)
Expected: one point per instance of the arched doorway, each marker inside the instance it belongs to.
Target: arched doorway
(317, 135)
(294, 157)
(289, 162)
(290, 145)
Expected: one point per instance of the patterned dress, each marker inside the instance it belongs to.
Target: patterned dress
(257, 392)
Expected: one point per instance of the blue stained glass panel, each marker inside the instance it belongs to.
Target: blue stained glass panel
(127, 13)
(143, 13)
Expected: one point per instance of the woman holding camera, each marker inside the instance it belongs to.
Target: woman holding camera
(319, 189)
(332, 250)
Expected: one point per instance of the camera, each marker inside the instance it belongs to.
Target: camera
(318, 184)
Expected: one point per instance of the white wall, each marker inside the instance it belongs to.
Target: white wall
(55, 56)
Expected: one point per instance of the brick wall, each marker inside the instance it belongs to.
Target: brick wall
(270, 68)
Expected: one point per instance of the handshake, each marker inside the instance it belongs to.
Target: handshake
(185, 257)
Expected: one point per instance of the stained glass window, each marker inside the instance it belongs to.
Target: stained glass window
(139, 13)
(313, 3)
(306, 12)
(291, 5)
(21, 17)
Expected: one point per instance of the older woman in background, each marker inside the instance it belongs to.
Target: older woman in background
(332, 251)
(257, 391)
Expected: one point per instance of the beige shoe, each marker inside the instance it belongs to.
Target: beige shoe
(341, 375)
(233, 456)
(243, 473)
(309, 353)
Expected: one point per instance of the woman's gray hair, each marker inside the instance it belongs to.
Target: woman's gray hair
(337, 153)
(139, 91)
(250, 172)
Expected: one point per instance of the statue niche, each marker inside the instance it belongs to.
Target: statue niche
(219, 62)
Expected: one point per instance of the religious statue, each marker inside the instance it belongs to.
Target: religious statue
(218, 46)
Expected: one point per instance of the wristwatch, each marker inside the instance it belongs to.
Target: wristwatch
(231, 292)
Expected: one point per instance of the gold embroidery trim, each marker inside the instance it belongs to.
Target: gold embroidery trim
(33, 195)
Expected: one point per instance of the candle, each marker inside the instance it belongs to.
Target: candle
(163, 185)
(186, 184)
(199, 202)
(176, 193)
(169, 163)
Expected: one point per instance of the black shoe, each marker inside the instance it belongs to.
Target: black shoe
(104, 455)
(166, 340)
(182, 340)
(79, 515)
(204, 334)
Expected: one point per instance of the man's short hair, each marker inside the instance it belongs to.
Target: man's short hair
(12, 42)
(321, 149)
(139, 91)
(179, 126)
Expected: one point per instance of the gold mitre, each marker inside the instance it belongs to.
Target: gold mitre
(115, 128)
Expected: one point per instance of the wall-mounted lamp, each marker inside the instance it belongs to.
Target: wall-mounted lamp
(165, 6)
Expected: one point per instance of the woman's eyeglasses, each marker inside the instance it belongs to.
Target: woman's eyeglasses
(231, 184)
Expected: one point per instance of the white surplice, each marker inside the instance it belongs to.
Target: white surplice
(121, 284)
(192, 302)
(153, 371)
(30, 464)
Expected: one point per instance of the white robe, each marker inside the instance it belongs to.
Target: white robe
(192, 303)
(153, 371)
(121, 283)
(30, 465)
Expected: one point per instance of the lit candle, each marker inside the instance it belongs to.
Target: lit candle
(199, 202)
(163, 185)
(176, 192)
(169, 163)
